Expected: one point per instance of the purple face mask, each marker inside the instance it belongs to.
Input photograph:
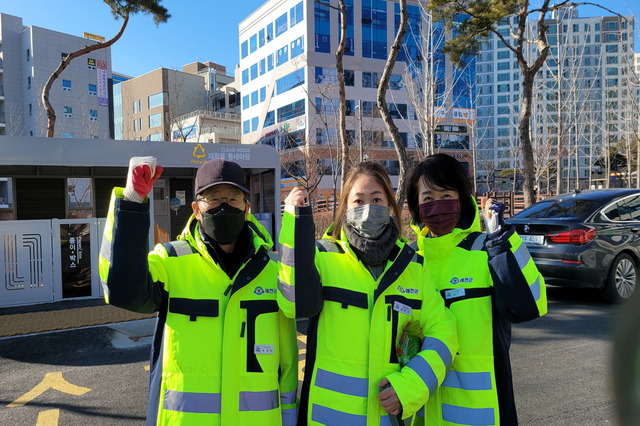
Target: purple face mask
(440, 216)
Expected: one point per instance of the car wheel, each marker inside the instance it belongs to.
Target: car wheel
(622, 279)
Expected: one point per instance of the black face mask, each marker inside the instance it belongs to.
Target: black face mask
(223, 224)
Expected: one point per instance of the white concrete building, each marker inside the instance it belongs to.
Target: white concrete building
(80, 96)
(289, 81)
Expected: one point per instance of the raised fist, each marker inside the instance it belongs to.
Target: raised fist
(143, 172)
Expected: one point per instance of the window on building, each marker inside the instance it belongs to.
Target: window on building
(269, 119)
(370, 79)
(254, 71)
(30, 109)
(28, 82)
(254, 123)
(281, 24)
(263, 94)
(349, 78)
(261, 38)
(246, 127)
(135, 125)
(294, 109)
(395, 82)
(610, 37)
(611, 26)
(66, 85)
(269, 62)
(28, 55)
(155, 120)
(245, 76)
(93, 89)
(290, 81)
(245, 102)
(296, 14)
(68, 135)
(282, 55)
(297, 47)
(611, 48)
(91, 63)
(93, 115)
(155, 100)
(262, 66)
(244, 49)
(134, 107)
(254, 98)
(269, 32)
(322, 17)
(67, 111)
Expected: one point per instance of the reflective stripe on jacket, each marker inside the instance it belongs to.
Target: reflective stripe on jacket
(486, 289)
(355, 324)
(223, 352)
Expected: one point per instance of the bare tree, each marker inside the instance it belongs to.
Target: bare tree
(120, 9)
(484, 18)
(403, 158)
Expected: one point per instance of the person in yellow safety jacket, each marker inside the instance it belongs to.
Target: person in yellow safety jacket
(488, 281)
(222, 353)
(360, 286)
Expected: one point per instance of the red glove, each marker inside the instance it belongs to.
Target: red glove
(143, 172)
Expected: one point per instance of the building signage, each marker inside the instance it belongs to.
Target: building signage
(230, 153)
(463, 114)
(93, 37)
(103, 88)
(75, 259)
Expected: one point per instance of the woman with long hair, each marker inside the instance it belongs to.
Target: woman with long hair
(361, 286)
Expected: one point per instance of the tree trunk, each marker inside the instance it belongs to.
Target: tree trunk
(342, 123)
(525, 137)
(403, 160)
(51, 114)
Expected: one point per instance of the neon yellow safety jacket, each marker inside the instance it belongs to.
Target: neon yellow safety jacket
(223, 353)
(355, 322)
(488, 282)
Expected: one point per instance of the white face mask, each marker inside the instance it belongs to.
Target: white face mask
(368, 220)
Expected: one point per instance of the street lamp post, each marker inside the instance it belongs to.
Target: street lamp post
(359, 108)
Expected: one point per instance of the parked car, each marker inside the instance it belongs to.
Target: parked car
(586, 239)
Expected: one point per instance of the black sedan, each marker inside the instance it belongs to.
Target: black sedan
(586, 239)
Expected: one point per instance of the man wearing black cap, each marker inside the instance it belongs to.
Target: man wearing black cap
(223, 353)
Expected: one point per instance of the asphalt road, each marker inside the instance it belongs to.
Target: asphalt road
(99, 376)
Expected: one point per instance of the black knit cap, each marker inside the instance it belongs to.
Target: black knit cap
(219, 171)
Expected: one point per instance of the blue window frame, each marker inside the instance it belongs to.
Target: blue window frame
(297, 47)
(246, 127)
(245, 76)
(254, 98)
(66, 85)
(244, 49)
(262, 66)
(282, 56)
(261, 38)
(253, 43)
(254, 71)
(281, 24)
(290, 81)
(245, 102)
(269, 119)
(93, 89)
(269, 62)
(269, 32)
(263, 94)
(254, 124)
(322, 24)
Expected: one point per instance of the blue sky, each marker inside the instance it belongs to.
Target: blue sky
(198, 30)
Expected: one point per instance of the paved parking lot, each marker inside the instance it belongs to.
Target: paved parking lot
(99, 375)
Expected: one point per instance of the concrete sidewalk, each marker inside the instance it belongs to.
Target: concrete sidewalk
(21, 320)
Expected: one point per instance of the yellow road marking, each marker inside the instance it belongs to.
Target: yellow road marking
(48, 418)
(50, 381)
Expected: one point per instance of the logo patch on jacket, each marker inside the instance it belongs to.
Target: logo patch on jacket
(259, 290)
(456, 280)
(407, 290)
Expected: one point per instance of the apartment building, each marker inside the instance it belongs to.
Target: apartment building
(162, 105)
(80, 96)
(289, 82)
(578, 106)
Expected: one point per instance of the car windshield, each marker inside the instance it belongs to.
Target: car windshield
(561, 209)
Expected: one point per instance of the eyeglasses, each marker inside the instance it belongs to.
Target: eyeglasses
(234, 200)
